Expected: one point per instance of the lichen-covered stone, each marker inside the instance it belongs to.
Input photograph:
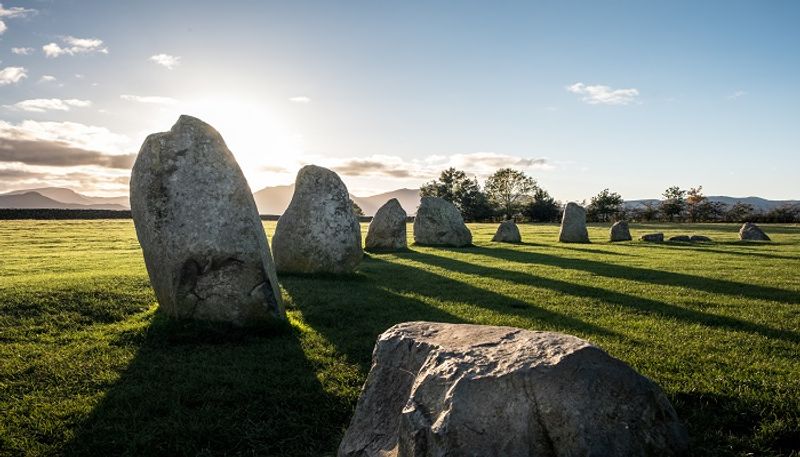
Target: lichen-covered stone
(439, 223)
(387, 230)
(573, 225)
(653, 237)
(507, 232)
(203, 243)
(619, 232)
(752, 232)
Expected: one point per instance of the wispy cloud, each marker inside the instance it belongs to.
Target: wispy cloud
(737, 94)
(22, 51)
(300, 99)
(72, 46)
(604, 95)
(41, 105)
(165, 60)
(12, 75)
(151, 99)
(13, 12)
(47, 79)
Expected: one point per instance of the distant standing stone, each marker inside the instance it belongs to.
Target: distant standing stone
(681, 238)
(700, 239)
(752, 232)
(507, 232)
(203, 243)
(620, 232)
(387, 231)
(439, 223)
(653, 237)
(573, 225)
(318, 232)
(475, 390)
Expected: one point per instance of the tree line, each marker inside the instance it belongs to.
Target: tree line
(511, 194)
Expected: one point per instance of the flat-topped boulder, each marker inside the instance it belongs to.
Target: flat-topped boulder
(752, 232)
(387, 230)
(318, 232)
(681, 238)
(439, 223)
(619, 232)
(203, 243)
(573, 225)
(470, 390)
(700, 239)
(653, 237)
(507, 232)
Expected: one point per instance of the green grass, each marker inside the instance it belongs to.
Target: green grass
(88, 366)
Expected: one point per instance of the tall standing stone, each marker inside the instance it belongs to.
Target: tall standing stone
(318, 232)
(439, 223)
(507, 232)
(752, 232)
(475, 390)
(573, 225)
(620, 232)
(387, 230)
(203, 243)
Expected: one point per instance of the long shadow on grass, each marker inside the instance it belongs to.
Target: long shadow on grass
(210, 389)
(352, 313)
(709, 248)
(710, 285)
(618, 298)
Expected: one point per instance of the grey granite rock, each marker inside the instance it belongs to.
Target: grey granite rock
(700, 239)
(507, 232)
(439, 223)
(387, 230)
(681, 238)
(573, 225)
(653, 237)
(752, 232)
(619, 232)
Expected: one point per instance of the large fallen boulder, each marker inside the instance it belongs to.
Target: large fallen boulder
(455, 389)
(653, 237)
(318, 232)
(619, 232)
(439, 223)
(573, 225)
(507, 232)
(700, 239)
(203, 243)
(752, 232)
(387, 230)
(681, 238)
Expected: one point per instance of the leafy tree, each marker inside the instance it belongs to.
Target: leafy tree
(696, 203)
(507, 187)
(448, 186)
(465, 193)
(604, 206)
(740, 212)
(783, 214)
(356, 209)
(707, 211)
(647, 212)
(674, 202)
(542, 207)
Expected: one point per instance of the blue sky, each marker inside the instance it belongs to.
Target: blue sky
(633, 96)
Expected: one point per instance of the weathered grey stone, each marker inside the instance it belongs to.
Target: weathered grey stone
(203, 243)
(653, 237)
(620, 232)
(387, 230)
(318, 232)
(507, 232)
(470, 390)
(752, 232)
(573, 225)
(681, 238)
(700, 239)
(439, 223)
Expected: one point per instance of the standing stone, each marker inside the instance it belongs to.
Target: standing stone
(752, 232)
(318, 232)
(203, 243)
(472, 390)
(653, 237)
(439, 223)
(573, 225)
(387, 231)
(620, 232)
(507, 232)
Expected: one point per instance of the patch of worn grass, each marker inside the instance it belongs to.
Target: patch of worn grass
(88, 366)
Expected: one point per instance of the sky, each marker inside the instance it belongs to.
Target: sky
(582, 96)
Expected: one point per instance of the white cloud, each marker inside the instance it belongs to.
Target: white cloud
(737, 94)
(47, 79)
(604, 95)
(12, 75)
(166, 60)
(22, 51)
(41, 105)
(300, 99)
(73, 46)
(15, 11)
(71, 134)
(151, 99)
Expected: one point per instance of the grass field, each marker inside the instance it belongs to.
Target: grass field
(89, 367)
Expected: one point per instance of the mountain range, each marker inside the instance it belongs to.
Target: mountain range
(275, 199)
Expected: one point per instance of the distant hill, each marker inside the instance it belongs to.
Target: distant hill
(35, 200)
(758, 203)
(274, 200)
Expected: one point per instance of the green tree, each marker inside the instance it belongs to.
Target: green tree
(696, 206)
(740, 212)
(604, 206)
(465, 193)
(507, 188)
(674, 202)
(542, 207)
(356, 209)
